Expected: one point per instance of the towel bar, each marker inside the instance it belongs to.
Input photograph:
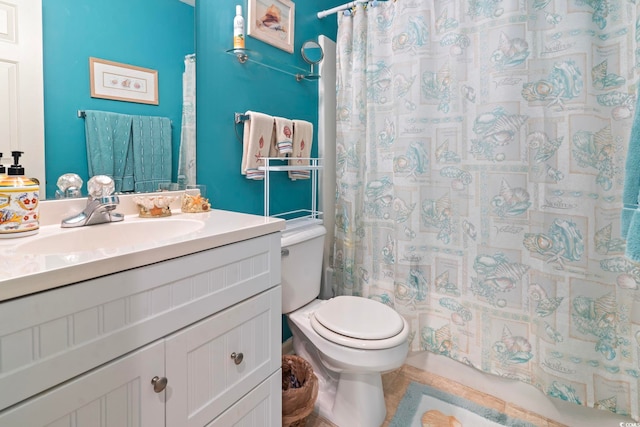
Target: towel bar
(239, 117)
(83, 115)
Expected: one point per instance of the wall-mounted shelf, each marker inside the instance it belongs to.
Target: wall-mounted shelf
(246, 55)
(300, 217)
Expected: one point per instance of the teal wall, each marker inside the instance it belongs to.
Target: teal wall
(157, 34)
(154, 34)
(226, 86)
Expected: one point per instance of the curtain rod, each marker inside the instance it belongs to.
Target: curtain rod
(345, 6)
(337, 9)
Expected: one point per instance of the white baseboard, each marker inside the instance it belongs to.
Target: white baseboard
(287, 346)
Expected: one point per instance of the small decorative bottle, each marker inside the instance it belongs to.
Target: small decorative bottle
(18, 202)
(238, 29)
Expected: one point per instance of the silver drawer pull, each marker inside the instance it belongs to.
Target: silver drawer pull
(237, 357)
(159, 383)
(284, 252)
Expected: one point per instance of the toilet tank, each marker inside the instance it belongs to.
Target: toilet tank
(302, 250)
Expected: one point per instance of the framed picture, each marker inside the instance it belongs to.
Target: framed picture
(123, 82)
(273, 22)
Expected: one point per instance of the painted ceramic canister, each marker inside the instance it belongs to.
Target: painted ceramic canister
(18, 206)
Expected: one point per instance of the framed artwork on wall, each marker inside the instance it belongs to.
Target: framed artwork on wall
(123, 82)
(273, 22)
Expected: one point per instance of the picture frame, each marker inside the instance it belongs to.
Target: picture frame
(273, 22)
(123, 82)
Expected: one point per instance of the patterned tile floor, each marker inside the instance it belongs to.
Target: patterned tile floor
(395, 383)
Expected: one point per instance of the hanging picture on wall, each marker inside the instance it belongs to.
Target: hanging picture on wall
(272, 21)
(123, 82)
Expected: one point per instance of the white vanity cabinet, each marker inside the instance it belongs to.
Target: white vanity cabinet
(209, 323)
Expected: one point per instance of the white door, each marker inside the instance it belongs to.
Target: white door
(21, 85)
(120, 394)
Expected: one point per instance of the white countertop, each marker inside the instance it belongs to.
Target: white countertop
(23, 273)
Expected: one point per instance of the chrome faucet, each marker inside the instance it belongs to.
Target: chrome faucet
(100, 204)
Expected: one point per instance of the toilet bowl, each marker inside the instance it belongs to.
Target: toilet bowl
(349, 341)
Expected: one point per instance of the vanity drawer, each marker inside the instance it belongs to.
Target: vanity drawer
(47, 338)
(215, 362)
(261, 407)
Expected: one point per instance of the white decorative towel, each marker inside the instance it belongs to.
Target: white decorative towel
(257, 141)
(302, 141)
(284, 135)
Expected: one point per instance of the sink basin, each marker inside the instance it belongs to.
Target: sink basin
(108, 236)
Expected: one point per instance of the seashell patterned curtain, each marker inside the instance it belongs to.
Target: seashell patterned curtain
(481, 152)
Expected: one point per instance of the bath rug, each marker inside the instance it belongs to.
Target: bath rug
(422, 402)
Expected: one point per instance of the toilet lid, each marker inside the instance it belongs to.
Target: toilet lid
(360, 318)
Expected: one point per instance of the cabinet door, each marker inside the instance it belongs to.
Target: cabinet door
(217, 361)
(119, 394)
(261, 407)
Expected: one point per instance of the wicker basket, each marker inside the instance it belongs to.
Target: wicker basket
(299, 390)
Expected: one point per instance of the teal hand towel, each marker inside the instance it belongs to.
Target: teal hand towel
(151, 138)
(108, 139)
(630, 217)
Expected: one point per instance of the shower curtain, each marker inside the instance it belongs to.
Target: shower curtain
(187, 158)
(480, 162)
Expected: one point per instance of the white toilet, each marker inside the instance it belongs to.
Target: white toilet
(349, 341)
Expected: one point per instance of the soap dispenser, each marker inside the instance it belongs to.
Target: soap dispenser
(18, 202)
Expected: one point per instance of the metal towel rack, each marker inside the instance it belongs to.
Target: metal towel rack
(239, 118)
(83, 115)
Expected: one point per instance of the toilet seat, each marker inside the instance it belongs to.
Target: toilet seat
(359, 322)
